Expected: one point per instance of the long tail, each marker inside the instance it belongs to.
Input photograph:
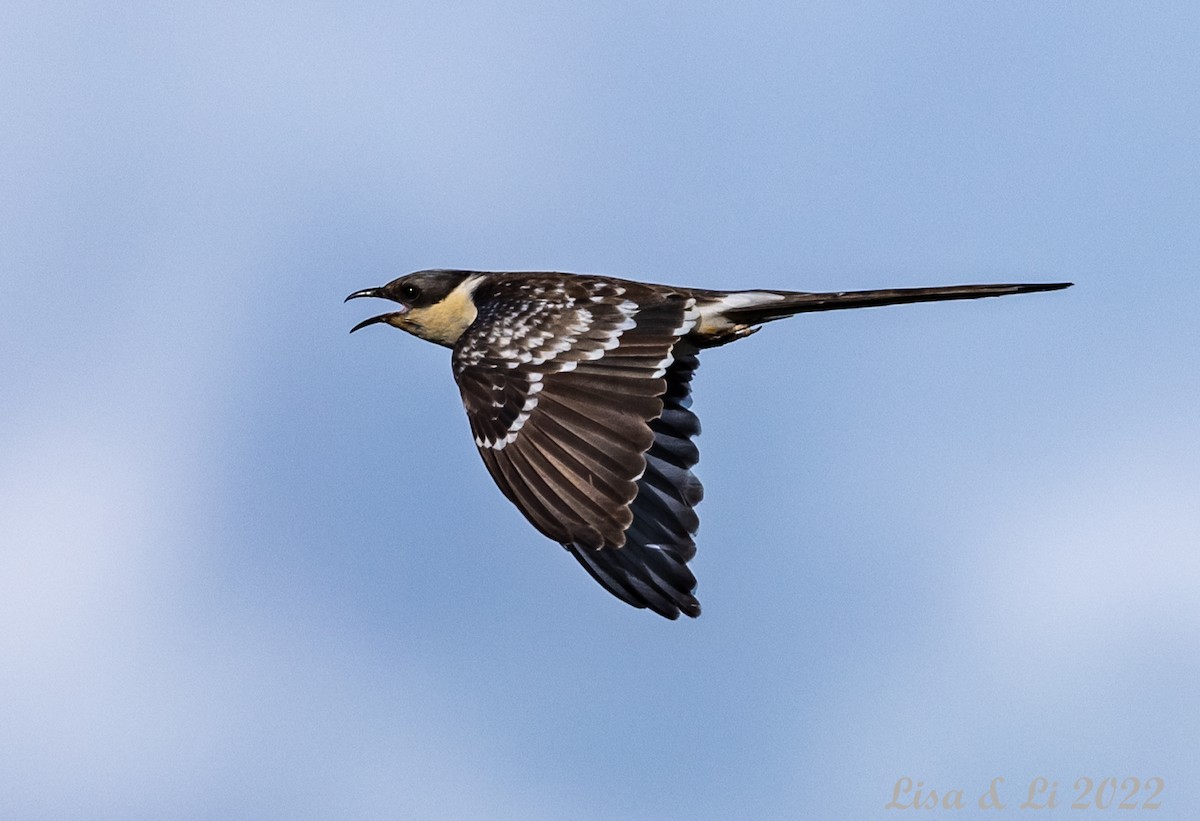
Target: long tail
(780, 304)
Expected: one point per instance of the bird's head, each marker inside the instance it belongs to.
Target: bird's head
(434, 305)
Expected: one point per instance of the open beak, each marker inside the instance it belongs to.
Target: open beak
(378, 293)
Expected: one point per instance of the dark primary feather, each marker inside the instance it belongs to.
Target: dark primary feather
(651, 570)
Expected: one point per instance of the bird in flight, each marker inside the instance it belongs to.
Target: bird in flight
(578, 392)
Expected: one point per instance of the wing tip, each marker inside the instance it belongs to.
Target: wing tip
(634, 584)
(690, 607)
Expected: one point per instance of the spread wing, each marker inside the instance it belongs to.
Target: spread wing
(578, 394)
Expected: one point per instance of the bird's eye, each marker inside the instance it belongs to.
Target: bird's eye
(409, 292)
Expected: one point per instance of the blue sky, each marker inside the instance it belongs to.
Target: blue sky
(251, 567)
